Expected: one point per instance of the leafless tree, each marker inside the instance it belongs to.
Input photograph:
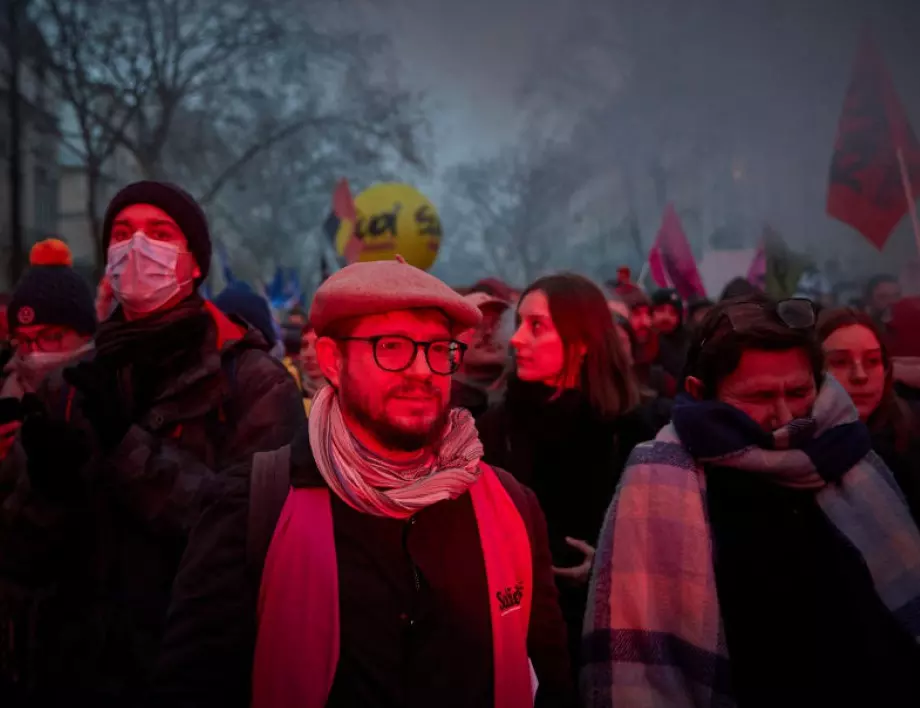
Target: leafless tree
(198, 90)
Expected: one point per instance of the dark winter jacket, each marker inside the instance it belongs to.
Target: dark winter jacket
(672, 351)
(413, 601)
(803, 624)
(572, 459)
(476, 395)
(105, 554)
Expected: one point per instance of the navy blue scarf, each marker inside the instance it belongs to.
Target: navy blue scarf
(833, 438)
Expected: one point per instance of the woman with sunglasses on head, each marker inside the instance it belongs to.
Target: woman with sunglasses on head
(757, 553)
(567, 423)
(858, 358)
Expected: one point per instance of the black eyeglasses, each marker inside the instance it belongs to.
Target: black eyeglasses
(395, 353)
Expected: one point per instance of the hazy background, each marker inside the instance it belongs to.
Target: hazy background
(549, 133)
(739, 100)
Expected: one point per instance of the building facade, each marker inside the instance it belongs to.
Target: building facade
(39, 140)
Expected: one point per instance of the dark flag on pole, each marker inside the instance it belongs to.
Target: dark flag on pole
(783, 267)
(876, 155)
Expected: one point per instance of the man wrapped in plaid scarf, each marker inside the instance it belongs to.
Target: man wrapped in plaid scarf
(757, 553)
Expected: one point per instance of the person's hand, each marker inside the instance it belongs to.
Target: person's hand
(102, 402)
(581, 573)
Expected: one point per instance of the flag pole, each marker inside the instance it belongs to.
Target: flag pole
(642, 273)
(909, 193)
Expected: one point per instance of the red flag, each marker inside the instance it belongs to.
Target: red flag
(671, 262)
(866, 188)
(343, 211)
(342, 203)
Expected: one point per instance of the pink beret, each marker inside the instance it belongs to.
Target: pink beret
(386, 286)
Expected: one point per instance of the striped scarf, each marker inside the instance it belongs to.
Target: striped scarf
(653, 630)
(376, 486)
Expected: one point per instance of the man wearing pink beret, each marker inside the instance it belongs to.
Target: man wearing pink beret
(375, 562)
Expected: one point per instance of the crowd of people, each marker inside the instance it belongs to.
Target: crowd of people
(408, 494)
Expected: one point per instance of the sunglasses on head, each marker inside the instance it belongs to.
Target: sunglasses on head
(796, 313)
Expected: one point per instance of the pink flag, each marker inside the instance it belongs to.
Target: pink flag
(671, 262)
(757, 273)
(656, 267)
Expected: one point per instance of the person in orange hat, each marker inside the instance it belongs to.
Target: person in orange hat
(51, 316)
(402, 571)
(51, 321)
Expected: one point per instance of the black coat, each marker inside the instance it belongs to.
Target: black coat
(102, 562)
(672, 351)
(413, 603)
(572, 459)
(803, 624)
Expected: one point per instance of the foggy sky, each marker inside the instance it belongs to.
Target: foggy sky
(475, 57)
(472, 55)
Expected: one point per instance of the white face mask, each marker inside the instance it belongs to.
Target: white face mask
(29, 370)
(143, 274)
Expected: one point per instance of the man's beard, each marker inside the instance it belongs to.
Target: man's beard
(389, 435)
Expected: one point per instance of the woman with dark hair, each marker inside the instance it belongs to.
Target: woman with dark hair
(567, 423)
(856, 355)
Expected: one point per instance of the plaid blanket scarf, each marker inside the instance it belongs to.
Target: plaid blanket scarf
(653, 629)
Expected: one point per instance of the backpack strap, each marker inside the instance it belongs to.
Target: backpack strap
(269, 485)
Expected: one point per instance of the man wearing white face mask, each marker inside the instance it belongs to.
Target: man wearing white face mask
(52, 322)
(174, 396)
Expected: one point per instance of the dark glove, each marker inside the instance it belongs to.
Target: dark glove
(101, 401)
(56, 451)
(10, 410)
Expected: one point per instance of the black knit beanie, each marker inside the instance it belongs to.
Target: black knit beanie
(181, 207)
(52, 293)
(240, 301)
(668, 296)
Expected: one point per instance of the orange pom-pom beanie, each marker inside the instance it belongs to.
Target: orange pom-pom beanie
(52, 293)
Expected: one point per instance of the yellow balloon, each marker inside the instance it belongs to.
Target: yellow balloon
(394, 219)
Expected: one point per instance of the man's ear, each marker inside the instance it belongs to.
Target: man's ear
(695, 387)
(329, 358)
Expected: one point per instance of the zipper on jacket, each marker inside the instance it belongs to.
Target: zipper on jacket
(415, 574)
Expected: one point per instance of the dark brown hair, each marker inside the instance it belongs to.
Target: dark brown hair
(581, 316)
(739, 288)
(717, 345)
(891, 410)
